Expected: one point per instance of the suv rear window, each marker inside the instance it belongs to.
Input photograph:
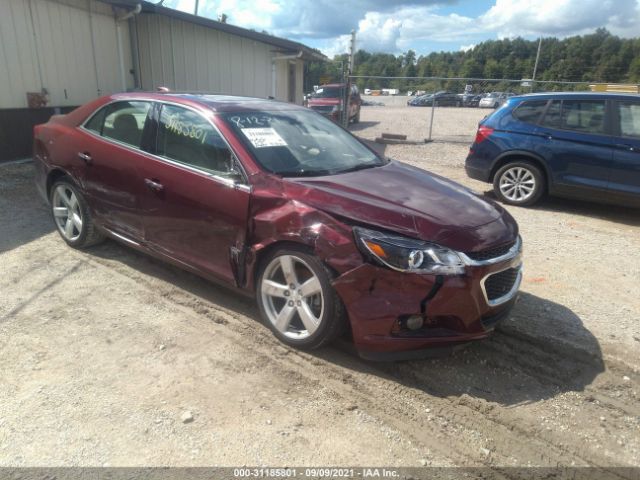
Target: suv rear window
(629, 114)
(530, 111)
(583, 115)
(586, 116)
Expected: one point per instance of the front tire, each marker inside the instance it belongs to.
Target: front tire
(72, 217)
(519, 183)
(296, 299)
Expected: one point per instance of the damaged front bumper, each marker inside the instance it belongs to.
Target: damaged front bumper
(455, 309)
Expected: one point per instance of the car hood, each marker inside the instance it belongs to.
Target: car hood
(409, 201)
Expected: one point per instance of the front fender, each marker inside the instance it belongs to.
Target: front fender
(277, 221)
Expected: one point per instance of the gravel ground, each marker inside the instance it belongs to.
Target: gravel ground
(112, 358)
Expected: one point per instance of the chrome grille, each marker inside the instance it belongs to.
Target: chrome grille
(490, 252)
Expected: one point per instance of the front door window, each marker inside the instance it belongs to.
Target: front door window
(186, 137)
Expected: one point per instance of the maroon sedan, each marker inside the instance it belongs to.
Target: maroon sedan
(281, 203)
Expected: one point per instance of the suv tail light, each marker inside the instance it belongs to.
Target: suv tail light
(483, 133)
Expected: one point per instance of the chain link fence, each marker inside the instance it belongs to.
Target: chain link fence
(440, 109)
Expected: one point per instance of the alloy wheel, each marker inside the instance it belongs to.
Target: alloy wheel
(517, 184)
(292, 297)
(67, 212)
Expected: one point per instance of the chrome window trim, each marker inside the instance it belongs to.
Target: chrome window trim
(507, 296)
(513, 252)
(245, 186)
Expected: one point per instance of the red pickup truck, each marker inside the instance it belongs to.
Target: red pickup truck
(328, 100)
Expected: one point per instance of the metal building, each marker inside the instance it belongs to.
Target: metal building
(58, 54)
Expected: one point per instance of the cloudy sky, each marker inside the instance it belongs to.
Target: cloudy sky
(395, 26)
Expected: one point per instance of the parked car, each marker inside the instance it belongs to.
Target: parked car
(471, 99)
(278, 202)
(492, 100)
(442, 99)
(579, 145)
(328, 100)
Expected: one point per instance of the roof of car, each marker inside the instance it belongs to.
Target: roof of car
(216, 102)
(579, 94)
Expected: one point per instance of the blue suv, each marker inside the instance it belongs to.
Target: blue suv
(578, 145)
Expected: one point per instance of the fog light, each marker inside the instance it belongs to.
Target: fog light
(415, 322)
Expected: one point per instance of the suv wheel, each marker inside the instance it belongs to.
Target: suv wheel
(296, 299)
(356, 118)
(519, 183)
(72, 217)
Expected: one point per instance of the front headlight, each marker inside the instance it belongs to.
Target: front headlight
(337, 108)
(407, 254)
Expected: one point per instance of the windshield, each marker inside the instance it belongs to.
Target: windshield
(329, 92)
(300, 143)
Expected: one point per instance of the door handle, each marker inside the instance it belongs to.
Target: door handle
(85, 156)
(626, 146)
(153, 185)
(547, 135)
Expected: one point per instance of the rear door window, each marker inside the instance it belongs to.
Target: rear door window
(121, 121)
(583, 115)
(629, 115)
(97, 121)
(530, 111)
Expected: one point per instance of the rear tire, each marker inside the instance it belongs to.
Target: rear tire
(296, 299)
(71, 215)
(519, 183)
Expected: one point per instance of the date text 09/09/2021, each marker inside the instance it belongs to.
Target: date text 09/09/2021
(263, 472)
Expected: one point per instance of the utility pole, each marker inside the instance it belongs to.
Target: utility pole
(195, 10)
(535, 66)
(347, 97)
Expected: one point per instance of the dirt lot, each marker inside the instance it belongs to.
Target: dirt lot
(103, 353)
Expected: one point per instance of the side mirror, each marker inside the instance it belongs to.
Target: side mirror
(235, 176)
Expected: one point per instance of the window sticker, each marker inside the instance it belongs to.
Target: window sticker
(263, 137)
(251, 120)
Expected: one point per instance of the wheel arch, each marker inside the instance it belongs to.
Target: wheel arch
(54, 175)
(520, 155)
(261, 254)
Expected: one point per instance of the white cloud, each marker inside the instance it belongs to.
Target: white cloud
(378, 32)
(466, 48)
(561, 17)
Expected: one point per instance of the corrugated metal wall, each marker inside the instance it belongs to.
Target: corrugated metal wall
(68, 47)
(188, 57)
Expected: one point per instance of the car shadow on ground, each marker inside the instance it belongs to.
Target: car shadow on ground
(177, 279)
(613, 213)
(24, 216)
(526, 360)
